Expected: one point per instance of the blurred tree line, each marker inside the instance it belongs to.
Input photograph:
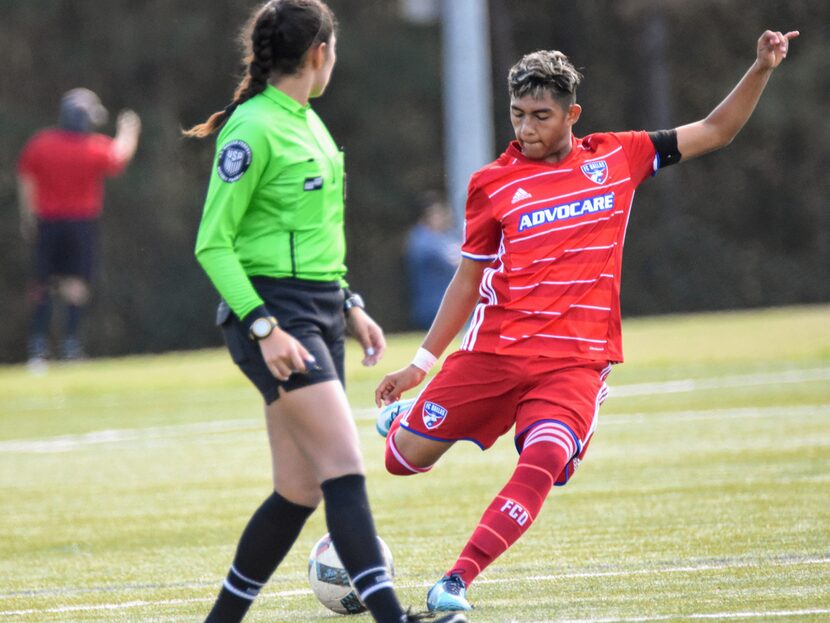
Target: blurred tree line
(745, 227)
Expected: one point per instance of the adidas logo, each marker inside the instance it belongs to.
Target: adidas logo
(521, 195)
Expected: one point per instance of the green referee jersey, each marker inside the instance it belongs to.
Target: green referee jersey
(274, 205)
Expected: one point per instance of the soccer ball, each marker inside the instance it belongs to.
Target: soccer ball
(329, 581)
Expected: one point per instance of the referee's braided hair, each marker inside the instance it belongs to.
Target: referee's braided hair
(275, 40)
(541, 71)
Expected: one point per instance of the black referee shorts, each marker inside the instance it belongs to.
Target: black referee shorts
(311, 312)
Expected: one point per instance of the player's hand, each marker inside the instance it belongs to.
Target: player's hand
(128, 121)
(284, 355)
(393, 385)
(367, 332)
(772, 48)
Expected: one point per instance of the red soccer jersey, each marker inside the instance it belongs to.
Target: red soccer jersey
(69, 169)
(554, 234)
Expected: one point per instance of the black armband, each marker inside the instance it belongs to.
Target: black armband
(665, 144)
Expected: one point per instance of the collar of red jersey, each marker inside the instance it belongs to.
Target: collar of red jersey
(515, 151)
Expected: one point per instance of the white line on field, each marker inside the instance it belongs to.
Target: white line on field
(66, 443)
(718, 616)
(802, 411)
(93, 607)
(740, 380)
(235, 394)
(131, 398)
(757, 563)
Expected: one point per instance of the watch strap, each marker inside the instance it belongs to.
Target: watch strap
(254, 314)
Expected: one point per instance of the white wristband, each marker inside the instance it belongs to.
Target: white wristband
(424, 360)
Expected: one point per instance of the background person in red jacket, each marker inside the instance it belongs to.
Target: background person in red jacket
(61, 175)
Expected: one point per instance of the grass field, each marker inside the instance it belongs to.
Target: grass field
(124, 485)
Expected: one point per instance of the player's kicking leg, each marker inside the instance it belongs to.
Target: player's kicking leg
(548, 450)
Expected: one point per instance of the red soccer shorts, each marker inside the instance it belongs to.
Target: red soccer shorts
(478, 397)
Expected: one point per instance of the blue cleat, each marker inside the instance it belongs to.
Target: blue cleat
(388, 414)
(447, 594)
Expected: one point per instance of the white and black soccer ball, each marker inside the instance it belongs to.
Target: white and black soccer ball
(329, 581)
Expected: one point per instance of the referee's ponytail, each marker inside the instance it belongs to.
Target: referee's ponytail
(276, 39)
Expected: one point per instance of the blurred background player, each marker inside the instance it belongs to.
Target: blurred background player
(433, 250)
(542, 257)
(272, 242)
(61, 175)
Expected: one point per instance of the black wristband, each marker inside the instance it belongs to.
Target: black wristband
(254, 314)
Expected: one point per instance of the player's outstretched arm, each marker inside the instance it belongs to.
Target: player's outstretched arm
(127, 131)
(456, 306)
(726, 120)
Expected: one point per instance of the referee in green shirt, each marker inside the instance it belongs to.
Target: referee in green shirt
(272, 242)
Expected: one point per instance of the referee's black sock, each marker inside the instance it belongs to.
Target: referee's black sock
(269, 535)
(352, 530)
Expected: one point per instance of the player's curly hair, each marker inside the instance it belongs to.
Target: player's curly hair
(275, 41)
(544, 70)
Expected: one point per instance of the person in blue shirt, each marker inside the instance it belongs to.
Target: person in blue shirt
(432, 254)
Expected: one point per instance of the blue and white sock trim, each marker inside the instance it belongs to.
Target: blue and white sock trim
(371, 580)
(242, 586)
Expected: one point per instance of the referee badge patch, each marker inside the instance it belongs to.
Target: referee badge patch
(234, 160)
(313, 183)
(433, 415)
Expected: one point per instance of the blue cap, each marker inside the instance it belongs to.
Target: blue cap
(81, 110)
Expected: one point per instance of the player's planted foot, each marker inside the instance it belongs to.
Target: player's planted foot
(448, 593)
(388, 414)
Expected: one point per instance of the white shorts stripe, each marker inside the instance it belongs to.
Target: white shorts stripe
(602, 394)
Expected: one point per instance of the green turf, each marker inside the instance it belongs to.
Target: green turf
(124, 485)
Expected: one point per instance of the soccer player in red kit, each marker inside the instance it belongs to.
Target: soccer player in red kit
(540, 273)
(61, 176)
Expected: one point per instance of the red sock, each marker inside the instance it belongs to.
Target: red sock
(548, 448)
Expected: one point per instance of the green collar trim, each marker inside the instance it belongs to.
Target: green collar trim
(285, 101)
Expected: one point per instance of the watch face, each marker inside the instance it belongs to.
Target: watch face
(261, 327)
(355, 300)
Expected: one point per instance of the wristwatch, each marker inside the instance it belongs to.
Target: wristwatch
(262, 327)
(353, 300)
